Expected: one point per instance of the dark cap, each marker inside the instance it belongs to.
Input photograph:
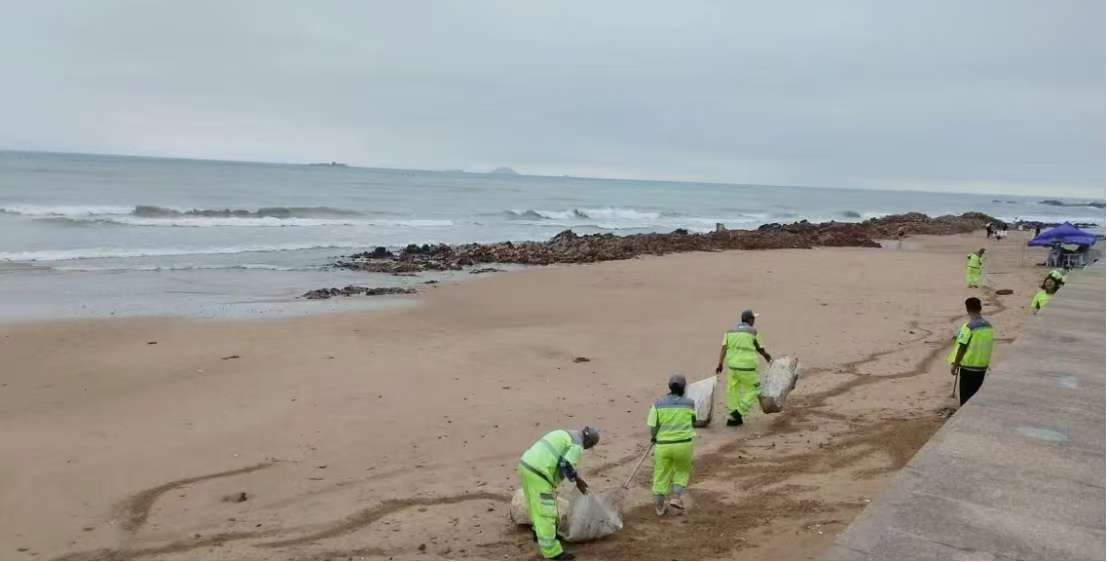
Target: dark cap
(590, 436)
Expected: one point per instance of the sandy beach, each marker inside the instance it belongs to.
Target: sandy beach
(395, 433)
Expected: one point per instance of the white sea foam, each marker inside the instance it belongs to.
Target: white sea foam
(65, 210)
(93, 253)
(207, 222)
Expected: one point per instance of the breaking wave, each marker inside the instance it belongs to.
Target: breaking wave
(609, 213)
(94, 253)
(149, 215)
(186, 267)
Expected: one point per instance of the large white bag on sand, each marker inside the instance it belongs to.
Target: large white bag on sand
(585, 518)
(776, 382)
(520, 516)
(702, 393)
(593, 516)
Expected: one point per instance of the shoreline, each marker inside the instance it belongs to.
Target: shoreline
(358, 421)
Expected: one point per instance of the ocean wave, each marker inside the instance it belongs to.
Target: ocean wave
(94, 253)
(153, 211)
(150, 211)
(64, 210)
(185, 267)
(204, 221)
(150, 215)
(606, 213)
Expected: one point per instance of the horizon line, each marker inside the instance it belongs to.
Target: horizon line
(520, 174)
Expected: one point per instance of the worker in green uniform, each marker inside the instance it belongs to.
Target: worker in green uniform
(972, 350)
(741, 346)
(555, 456)
(1058, 276)
(670, 422)
(1043, 296)
(973, 268)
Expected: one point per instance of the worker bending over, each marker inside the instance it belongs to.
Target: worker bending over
(741, 347)
(972, 350)
(670, 422)
(973, 268)
(555, 456)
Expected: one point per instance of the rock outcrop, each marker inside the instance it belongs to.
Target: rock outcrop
(569, 247)
(351, 290)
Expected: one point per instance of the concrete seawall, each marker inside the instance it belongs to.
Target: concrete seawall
(1018, 473)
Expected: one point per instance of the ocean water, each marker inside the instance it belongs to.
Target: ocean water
(80, 220)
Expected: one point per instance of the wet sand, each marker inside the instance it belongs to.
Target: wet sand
(395, 433)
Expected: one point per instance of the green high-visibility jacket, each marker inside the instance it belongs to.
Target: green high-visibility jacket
(555, 455)
(741, 347)
(1041, 299)
(975, 262)
(978, 336)
(671, 420)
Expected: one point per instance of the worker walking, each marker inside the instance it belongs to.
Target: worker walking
(555, 456)
(1041, 299)
(670, 422)
(973, 268)
(741, 347)
(972, 350)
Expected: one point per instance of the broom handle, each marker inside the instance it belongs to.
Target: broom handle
(637, 466)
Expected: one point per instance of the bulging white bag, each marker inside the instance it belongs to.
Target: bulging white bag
(776, 382)
(702, 393)
(585, 518)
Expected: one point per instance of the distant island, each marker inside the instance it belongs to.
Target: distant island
(331, 163)
(1056, 203)
(505, 171)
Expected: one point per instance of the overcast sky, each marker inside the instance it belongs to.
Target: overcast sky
(1000, 96)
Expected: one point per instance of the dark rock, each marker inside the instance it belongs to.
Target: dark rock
(581, 360)
(484, 270)
(236, 498)
(570, 247)
(352, 290)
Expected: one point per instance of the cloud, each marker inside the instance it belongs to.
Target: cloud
(988, 95)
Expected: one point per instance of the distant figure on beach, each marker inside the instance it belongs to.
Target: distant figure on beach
(900, 234)
(1037, 230)
(972, 350)
(741, 346)
(988, 230)
(553, 457)
(1041, 299)
(974, 268)
(670, 422)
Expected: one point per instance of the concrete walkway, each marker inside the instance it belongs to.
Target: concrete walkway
(1018, 473)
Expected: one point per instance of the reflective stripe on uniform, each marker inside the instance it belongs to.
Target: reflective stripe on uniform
(550, 448)
(538, 472)
(674, 426)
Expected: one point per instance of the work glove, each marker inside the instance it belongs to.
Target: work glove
(582, 486)
(718, 368)
(954, 368)
(768, 357)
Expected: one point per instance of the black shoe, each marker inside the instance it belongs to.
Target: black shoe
(735, 419)
(564, 556)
